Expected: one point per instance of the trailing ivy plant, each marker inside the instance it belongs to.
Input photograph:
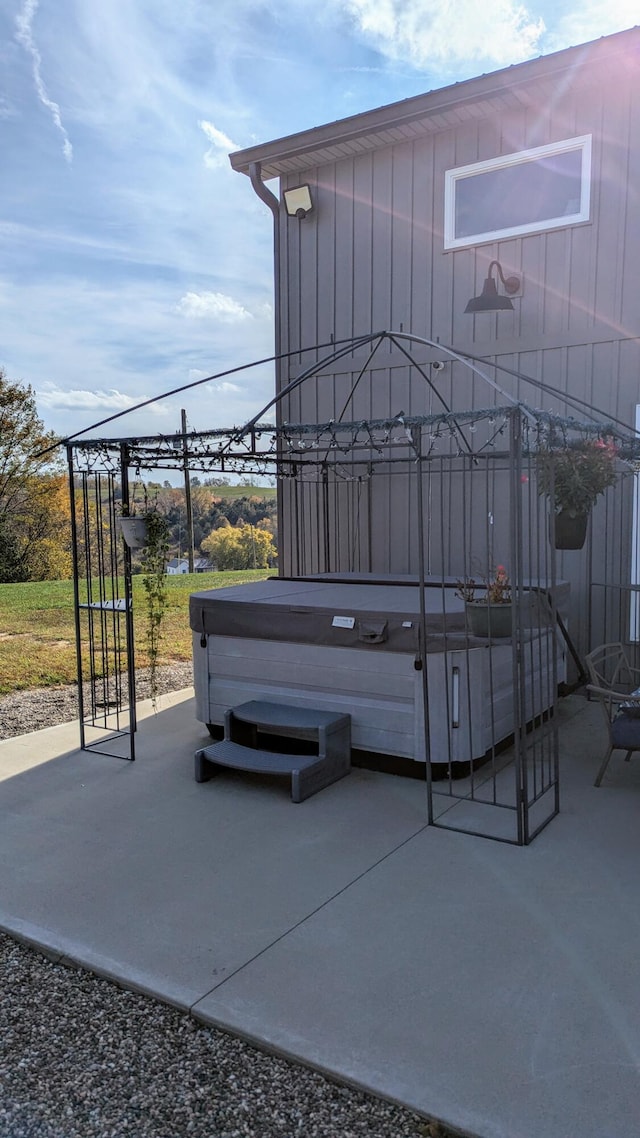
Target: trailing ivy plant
(154, 561)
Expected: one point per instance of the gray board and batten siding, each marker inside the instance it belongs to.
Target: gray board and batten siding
(371, 256)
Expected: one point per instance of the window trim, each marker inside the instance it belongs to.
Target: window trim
(452, 177)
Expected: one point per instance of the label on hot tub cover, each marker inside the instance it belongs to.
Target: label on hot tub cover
(343, 622)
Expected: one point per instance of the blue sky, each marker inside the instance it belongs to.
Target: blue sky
(133, 258)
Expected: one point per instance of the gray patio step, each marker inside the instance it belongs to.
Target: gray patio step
(284, 719)
(309, 773)
(237, 757)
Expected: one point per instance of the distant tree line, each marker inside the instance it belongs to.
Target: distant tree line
(210, 512)
(213, 515)
(235, 532)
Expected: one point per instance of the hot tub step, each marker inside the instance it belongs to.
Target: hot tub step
(286, 720)
(237, 757)
(309, 773)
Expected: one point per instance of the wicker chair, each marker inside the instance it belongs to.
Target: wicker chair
(614, 683)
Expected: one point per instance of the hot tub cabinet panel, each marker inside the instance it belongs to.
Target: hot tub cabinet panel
(273, 641)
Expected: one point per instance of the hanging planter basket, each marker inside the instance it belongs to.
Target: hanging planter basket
(573, 477)
(134, 531)
(489, 621)
(570, 530)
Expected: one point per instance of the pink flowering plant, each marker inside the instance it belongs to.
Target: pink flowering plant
(577, 473)
(495, 589)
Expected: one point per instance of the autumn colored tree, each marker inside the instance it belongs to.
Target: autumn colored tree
(34, 511)
(240, 547)
(43, 537)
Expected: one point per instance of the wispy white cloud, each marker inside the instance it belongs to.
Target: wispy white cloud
(430, 33)
(213, 305)
(217, 156)
(24, 35)
(223, 387)
(50, 395)
(590, 20)
(126, 343)
(63, 238)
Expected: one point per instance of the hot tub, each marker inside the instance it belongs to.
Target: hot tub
(353, 645)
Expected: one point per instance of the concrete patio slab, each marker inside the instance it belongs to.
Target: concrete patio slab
(136, 870)
(490, 986)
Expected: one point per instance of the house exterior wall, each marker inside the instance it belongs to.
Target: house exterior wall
(371, 257)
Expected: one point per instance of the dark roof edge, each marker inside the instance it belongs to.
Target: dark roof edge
(433, 102)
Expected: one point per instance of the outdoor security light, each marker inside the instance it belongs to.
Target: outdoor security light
(490, 300)
(298, 201)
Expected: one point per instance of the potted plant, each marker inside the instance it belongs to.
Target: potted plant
(133, 528)
(489, 614)
(576, 474)
(150, 534)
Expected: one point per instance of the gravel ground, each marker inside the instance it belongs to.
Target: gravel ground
(25, 711)
(82, 1058)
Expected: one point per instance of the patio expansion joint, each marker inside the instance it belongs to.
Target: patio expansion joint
(307, 917)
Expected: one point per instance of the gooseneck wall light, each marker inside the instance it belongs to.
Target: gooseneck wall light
(490, 300)
(298, 201)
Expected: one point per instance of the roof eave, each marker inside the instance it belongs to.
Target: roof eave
(274, 157)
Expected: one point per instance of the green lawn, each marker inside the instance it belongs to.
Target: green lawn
(37, 636)
(231, 492)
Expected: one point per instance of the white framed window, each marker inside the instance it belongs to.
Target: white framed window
(547, 187)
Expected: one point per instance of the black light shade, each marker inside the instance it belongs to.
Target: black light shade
(490, 300)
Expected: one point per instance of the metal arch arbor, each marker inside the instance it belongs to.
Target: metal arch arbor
(328, 469)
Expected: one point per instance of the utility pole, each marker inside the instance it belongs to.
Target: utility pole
(187, 489)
